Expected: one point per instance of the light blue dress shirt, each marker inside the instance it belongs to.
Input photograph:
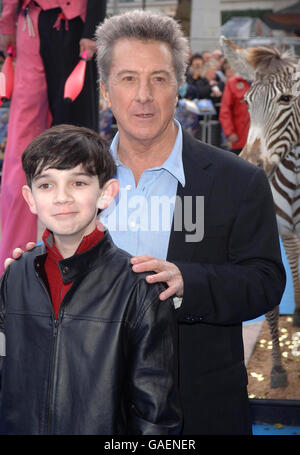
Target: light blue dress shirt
(140, 218)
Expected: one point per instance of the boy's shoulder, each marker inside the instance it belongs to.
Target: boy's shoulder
(120, 263)
(22, 270)
(27, 259)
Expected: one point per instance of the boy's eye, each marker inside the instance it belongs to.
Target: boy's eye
(44, 186)
(80, 183)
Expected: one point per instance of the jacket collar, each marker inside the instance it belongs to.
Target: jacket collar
(82, 263)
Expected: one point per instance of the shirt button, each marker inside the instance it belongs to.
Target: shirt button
(132, 224)
(128, 187)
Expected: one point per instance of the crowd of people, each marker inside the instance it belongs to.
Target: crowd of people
(210, 77)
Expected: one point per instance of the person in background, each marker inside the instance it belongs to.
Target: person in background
(218, 58)
(234, 116)
(196, 85)
(49, 36)
(209, 73)
(206, 56)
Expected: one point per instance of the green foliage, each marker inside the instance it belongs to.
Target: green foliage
(226, 15)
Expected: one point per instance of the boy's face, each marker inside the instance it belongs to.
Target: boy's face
(66, 201)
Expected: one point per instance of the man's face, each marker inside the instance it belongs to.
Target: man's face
(197, 63)
(206, 56)
(142, 89)
(65, 200)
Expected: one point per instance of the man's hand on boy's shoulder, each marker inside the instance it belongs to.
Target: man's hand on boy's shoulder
(17, 253)
(165, 272)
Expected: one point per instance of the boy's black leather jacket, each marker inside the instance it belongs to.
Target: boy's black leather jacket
(107, 365)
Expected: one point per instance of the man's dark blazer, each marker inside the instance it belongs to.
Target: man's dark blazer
(232, 275)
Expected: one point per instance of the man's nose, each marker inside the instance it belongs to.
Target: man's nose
(144, 92)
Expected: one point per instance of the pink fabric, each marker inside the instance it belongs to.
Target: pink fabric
(29, 116)
(70, 8)
(8, 17)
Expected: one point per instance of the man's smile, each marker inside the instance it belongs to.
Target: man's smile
(144, 116)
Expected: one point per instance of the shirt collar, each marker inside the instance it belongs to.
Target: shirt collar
(173, 163)
(86, 243)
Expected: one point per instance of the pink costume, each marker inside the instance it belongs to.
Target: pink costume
(29, 115)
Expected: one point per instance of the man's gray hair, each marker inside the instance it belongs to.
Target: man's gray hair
(144, 26)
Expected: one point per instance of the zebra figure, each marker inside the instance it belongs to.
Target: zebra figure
(274, 107)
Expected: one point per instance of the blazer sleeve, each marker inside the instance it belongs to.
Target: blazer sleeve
(252, 281)
(95, 14)
(153, 397)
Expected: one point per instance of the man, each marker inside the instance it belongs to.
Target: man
(49, 36)
(228, 273)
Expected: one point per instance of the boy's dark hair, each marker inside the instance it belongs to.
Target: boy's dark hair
(65, 147)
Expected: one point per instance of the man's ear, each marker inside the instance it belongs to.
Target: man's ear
(105, 94)
(28, 196)
(108, 193)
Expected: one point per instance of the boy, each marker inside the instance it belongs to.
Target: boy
(89, 347)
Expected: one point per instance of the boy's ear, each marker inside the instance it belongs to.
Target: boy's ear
(28, 196)
(108, 192)
(105, 93)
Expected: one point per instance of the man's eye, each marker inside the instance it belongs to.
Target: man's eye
(159, 79)
(128, 78)
(80, 183)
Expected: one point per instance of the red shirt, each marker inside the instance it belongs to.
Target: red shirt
(58, 288)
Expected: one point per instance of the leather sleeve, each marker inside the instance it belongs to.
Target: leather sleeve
(95, 14)
(153, 397)
(252, 281)
(2, 318)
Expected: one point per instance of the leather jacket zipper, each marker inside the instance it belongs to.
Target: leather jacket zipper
(50, 398)
(56, 323)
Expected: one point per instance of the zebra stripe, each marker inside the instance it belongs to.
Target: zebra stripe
(278, 122)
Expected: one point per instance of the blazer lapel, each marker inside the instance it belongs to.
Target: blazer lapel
(198, 182)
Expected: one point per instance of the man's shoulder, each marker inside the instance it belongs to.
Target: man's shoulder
(205, 155)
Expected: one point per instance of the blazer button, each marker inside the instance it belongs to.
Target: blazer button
(66, 269)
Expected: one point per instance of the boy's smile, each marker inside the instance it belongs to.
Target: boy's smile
(66, 202)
